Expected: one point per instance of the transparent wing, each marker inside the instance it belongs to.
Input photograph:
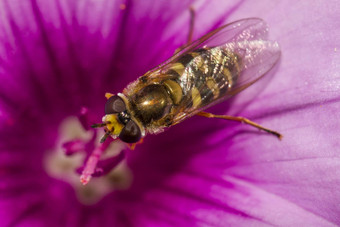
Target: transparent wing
(246, 39)
(245, 29)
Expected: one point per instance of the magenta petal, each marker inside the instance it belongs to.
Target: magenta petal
(227, 201)
(296, 181)
(58, 56)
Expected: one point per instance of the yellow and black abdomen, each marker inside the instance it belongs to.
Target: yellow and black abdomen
(193, 82)
(206, 78)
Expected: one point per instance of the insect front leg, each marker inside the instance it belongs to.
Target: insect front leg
(242, 120)
(133, 145)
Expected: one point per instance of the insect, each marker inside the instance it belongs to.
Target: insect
(203, 73)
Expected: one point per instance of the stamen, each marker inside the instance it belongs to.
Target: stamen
(92, 161)
(74, 146)
(106, 165)
(93, 166)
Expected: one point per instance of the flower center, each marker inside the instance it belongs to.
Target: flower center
(78, 156)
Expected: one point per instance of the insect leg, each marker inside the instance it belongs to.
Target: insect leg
(240, 119)
(192, 23)
(133, 146)
(191, 29)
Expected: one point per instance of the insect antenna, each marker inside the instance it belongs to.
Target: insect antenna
(107, 132)
(99, 125)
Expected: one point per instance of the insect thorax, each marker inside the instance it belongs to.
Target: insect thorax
(193, 82)
(151, 103)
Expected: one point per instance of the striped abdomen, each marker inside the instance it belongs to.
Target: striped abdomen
(195, 81)
(204, 76)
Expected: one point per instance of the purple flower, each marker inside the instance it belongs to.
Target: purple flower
(59, 56)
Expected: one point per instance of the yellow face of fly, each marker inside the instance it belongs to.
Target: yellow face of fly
(118, 121)
(112, 124)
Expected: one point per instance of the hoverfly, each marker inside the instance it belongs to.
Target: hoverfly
(203, 73)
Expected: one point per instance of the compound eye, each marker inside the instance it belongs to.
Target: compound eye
(130, 133)
(114, 104)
